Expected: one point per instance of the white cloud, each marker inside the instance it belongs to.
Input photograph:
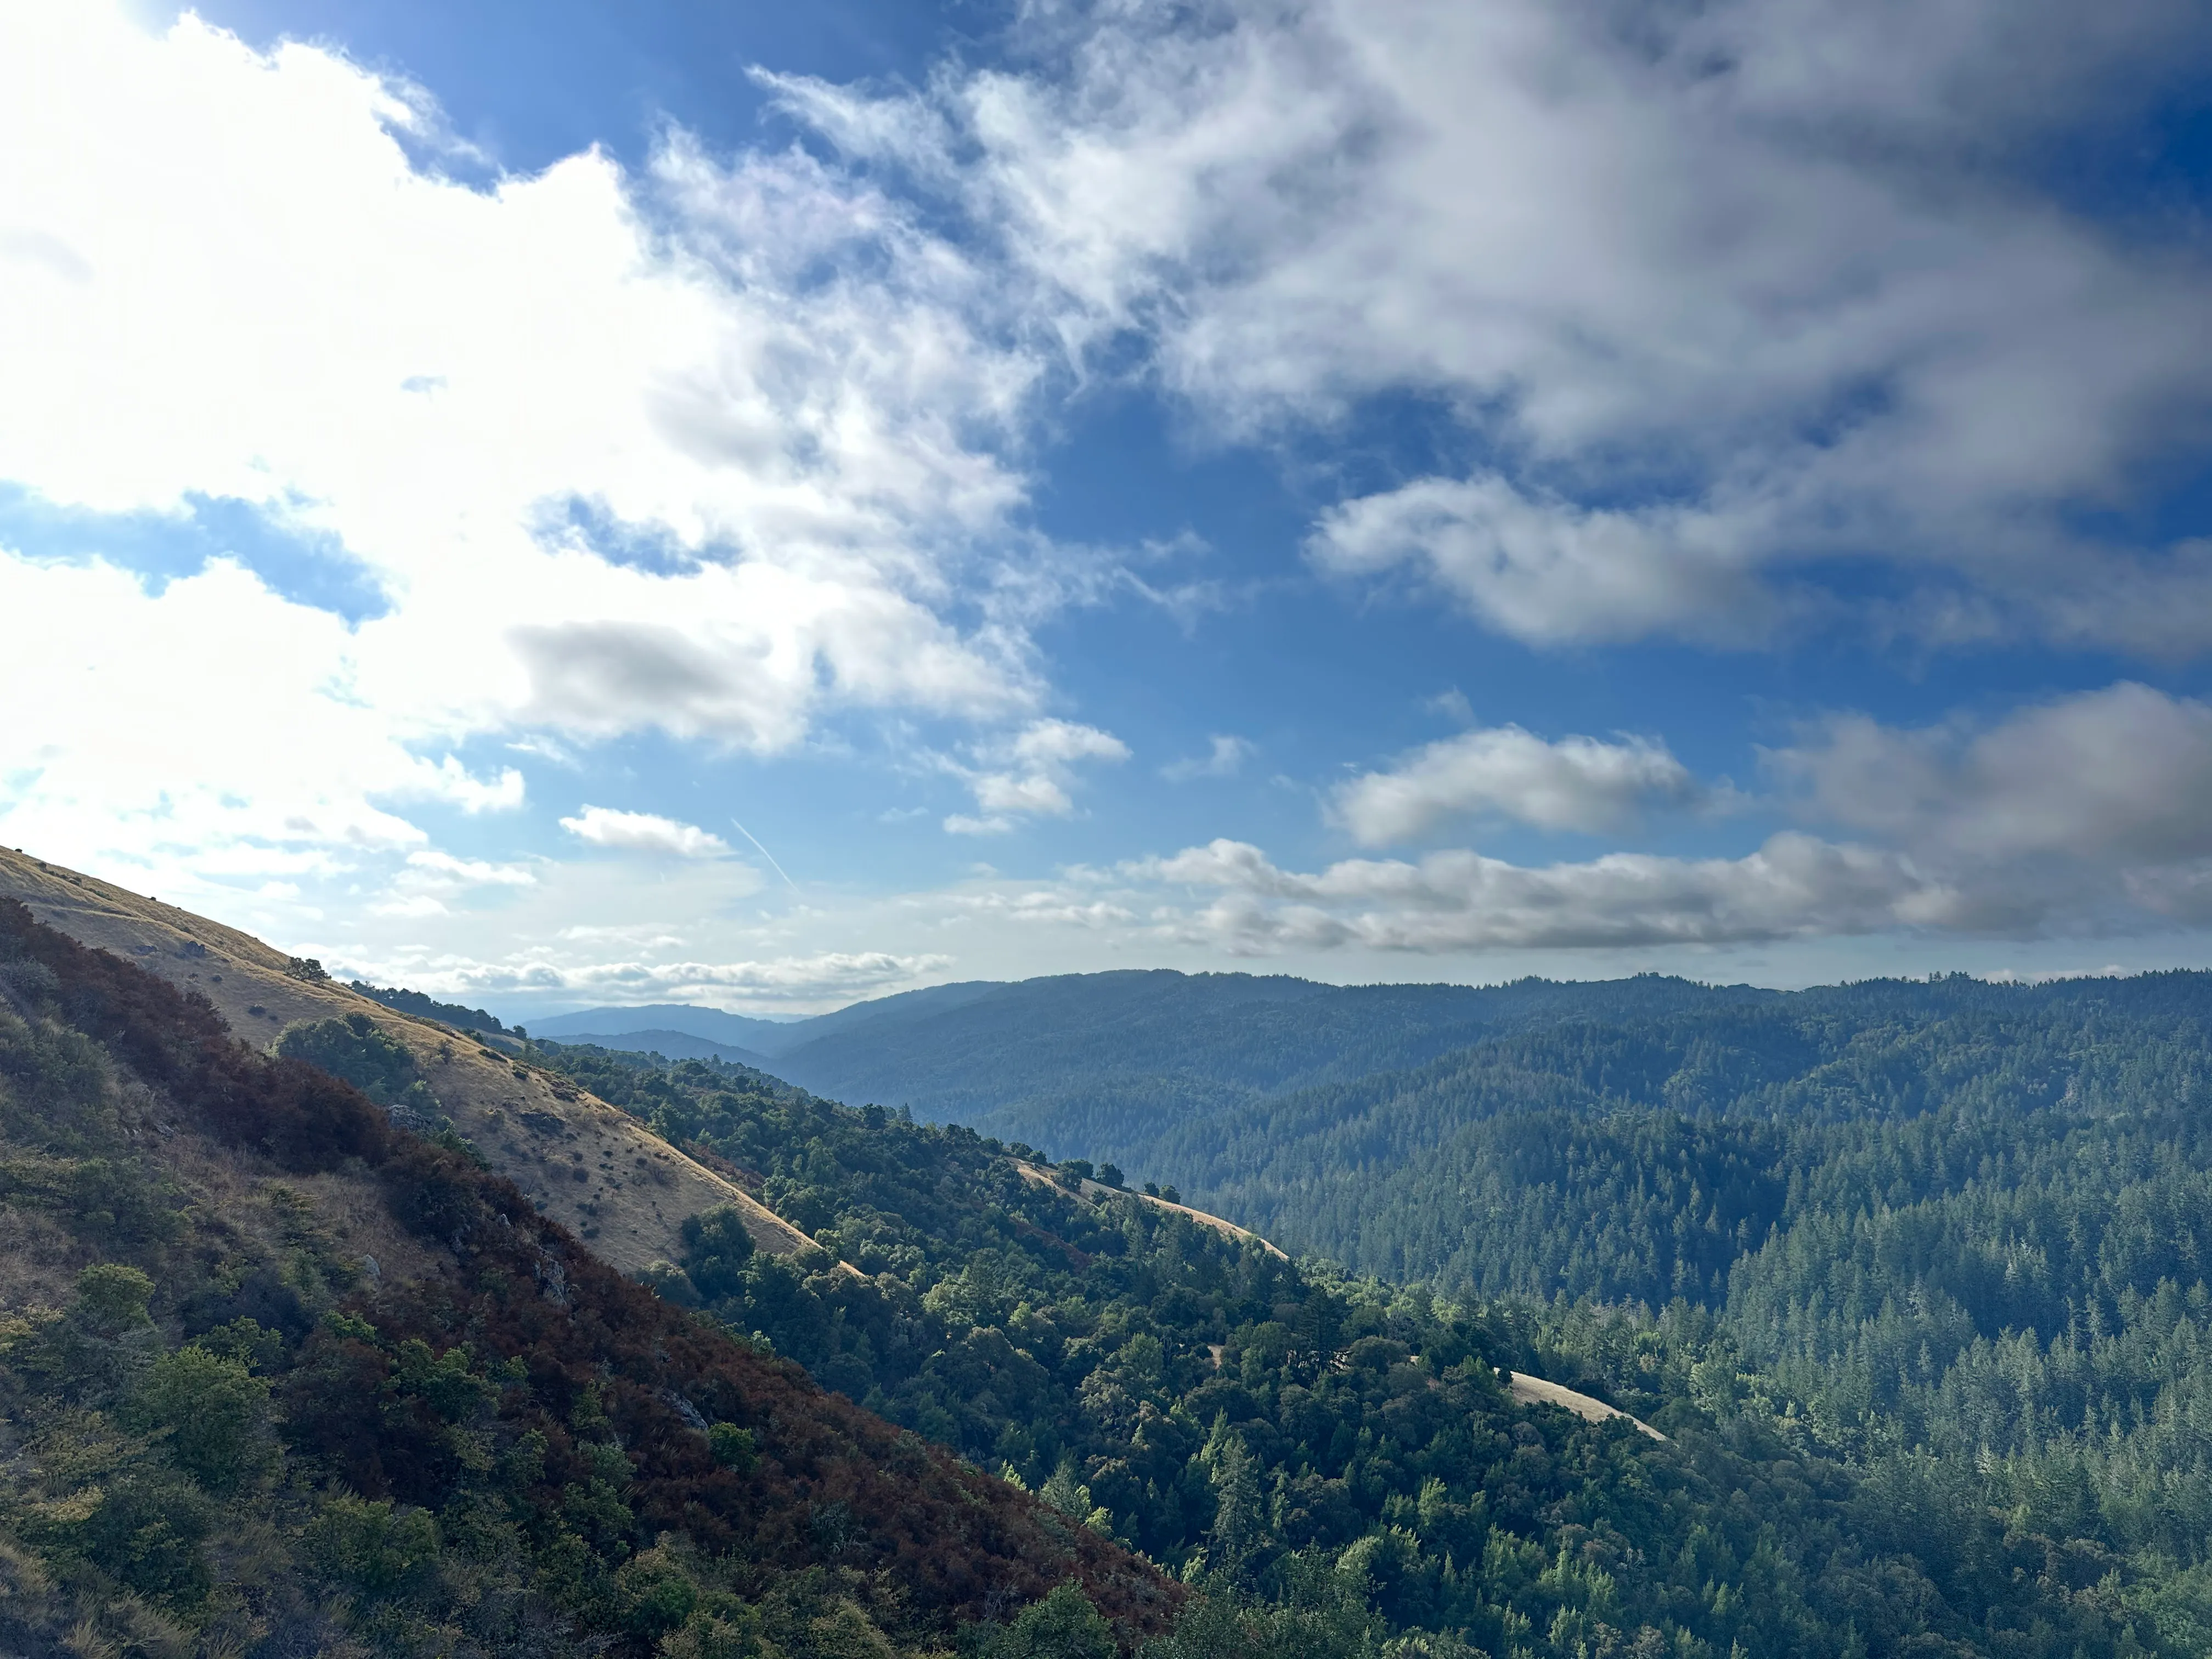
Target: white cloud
(1576, 783)
(1031, 775)
(644, 832)
(821, 975)
(1544, 569)
(206, 734)
(1794, 886)
(1225, 758)
(428, 867)
(2125, 772)
(1718, 289)
(409, 908)
(450, 781)
(713, 448)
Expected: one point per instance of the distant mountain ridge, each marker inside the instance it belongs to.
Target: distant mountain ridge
(1056, 1051)
(736, 1030)
(981, 1046)
(770, 1037)
(669, 1045)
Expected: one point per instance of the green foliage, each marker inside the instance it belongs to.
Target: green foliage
(716, 1247)
(425, 1007)
(112, 1298)
(378, 1064)
(733, 1448)
(1063, 1626)
(214, 1411)
(376, 1549)
(1331, 1459)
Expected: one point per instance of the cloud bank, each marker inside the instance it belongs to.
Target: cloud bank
(1719, 296)
(1031, 775)
(714, 449)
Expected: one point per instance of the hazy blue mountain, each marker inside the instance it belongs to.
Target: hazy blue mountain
(882, 1013)
(760, 1037)
(1055, 1060)
(768, 1037)
(669, 1045)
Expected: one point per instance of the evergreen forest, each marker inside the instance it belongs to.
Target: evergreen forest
(1902, 1281)
(1909, 1273)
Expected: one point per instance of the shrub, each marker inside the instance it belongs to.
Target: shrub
(215, 1412)
(1063, 1626)
(373, 1547)
(112, 1298)
(716, 1247)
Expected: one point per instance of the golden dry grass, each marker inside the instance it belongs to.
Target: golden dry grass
(603, 1176)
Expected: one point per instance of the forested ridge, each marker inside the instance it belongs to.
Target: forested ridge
(1097, 1046)
(1908, 1276)
(1951, 1234)
(1131, 1365)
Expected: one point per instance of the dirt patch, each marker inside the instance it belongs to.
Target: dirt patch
(1535, 1391)
(1097, 1191)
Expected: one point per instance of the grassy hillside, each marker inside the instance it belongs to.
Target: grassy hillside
(276, 1376)
(578, 1159)
(285, 1370)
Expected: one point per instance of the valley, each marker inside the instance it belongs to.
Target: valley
(1533, 1320)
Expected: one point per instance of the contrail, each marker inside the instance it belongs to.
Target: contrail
(770, 856)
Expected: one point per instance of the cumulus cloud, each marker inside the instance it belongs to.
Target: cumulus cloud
(1792, 887)
(1716, 291)
(644, 832)
(760, 485)
(1575, 783)
(2107, 794)
(208, 734)
(1031, 775)
(2089, 814)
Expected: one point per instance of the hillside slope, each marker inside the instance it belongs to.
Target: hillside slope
(581, 1162)
(278, 1377)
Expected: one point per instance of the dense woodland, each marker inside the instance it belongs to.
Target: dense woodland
(1959, 1219)
(1274, 1431)
(1950, 1233)
(1908, 1276)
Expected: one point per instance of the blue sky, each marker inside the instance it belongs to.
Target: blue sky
(766, 506)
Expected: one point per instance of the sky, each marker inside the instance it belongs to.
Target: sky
(564, 504)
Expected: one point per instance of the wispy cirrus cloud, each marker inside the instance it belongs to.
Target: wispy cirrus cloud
(1225, 758)
(1031, 775)
(801, 978)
